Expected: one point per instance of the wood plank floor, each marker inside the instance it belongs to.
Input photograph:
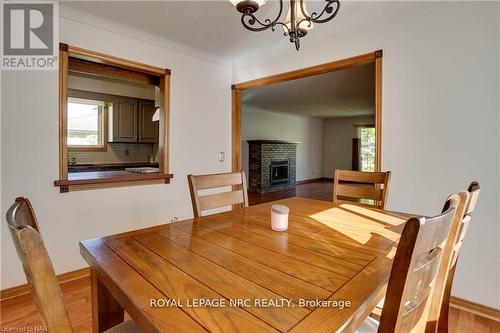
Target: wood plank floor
(21, 312)
(322, 190)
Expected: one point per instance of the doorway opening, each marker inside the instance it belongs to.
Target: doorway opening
(283, 95)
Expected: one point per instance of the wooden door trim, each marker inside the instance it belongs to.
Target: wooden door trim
(378, 113)
(372, 57)
(115, 61)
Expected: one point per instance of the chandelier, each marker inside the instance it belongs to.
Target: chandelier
(297, 22)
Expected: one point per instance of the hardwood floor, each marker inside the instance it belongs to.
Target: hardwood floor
(322, 190)
(21, 312)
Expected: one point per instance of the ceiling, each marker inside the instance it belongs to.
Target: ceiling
(346, 93)
(213, 29)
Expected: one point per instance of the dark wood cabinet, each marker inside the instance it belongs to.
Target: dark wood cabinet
(148, 129)
(132, 121)
(125, 120)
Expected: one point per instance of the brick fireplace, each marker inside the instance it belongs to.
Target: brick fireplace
(271, 165)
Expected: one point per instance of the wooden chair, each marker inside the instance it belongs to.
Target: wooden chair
(220, 199)
(463, 224)
(359, 185)
(40, 273)
(413, 274)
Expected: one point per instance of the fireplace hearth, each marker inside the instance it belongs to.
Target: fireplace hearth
(272, 165)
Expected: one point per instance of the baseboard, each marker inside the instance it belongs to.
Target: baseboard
(475, 308)
(314, 180)
(24, 289)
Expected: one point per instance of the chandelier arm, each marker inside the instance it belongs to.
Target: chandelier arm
(328, 10)
(286, 29)
(249, 20)
(307, 19)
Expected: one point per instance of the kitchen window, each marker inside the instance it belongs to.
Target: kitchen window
(86, 125)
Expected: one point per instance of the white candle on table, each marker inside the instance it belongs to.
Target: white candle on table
(279, 217)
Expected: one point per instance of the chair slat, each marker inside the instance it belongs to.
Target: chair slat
(238, 196)
(362, 176)
(361, 185)
(360, 192)
(221, 199)
(218, 180)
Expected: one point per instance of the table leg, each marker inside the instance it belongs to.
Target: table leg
(106, 311)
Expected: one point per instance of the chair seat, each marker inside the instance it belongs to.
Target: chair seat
(126, 327)
(370, 325)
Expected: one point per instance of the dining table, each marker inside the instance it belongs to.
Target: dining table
(230, 272)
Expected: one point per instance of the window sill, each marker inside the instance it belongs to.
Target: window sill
(105, 179)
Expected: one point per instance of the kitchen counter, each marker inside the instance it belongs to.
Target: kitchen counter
(97, 178)
(98, 174)
(79, 168)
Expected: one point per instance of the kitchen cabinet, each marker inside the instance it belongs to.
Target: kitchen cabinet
(125, 120)
(148, 129)
(131, 120)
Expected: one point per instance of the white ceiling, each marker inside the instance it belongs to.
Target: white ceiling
(212, 29)
(346, 93)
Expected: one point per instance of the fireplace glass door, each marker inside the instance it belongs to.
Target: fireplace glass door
(279, 173)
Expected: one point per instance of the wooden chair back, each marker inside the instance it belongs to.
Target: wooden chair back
(414, 271)
(37, 266)
(457, 241)
(360, 185)
(236, 196)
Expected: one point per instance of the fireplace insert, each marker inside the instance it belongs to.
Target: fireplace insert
(279, 173)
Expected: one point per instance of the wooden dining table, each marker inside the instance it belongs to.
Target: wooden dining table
(230, 272)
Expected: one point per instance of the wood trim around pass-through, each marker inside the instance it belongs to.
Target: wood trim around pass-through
(137, 72)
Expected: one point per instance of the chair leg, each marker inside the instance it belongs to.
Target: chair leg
(445, 305)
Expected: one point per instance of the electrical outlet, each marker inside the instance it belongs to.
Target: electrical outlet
(174, 219)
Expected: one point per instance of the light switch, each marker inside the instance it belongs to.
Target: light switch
(222, 157)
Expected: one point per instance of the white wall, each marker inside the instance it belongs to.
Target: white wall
(200, 95)
(440, 118)
(259, 123)
(498, 138)
(337, 142)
